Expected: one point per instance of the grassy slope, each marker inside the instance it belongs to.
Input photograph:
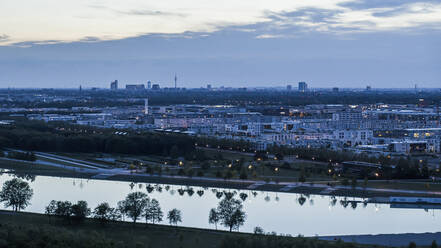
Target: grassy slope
(125, 234)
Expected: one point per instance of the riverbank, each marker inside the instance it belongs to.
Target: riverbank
(316, 188)
(421, 239)
(25, 229)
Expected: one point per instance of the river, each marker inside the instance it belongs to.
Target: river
(278, 212)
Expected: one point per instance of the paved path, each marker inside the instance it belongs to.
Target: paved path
(390, 239)
(289, 187)
(69, 160)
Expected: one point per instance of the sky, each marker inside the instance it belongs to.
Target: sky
(247, 43)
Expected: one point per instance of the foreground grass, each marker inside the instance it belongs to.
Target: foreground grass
(36, 230)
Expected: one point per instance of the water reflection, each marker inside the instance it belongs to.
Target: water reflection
(290, 215)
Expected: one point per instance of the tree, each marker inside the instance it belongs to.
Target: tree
(231, 214)
(213, 217)
(50, 209)
(174, 216)
(153, 211)
(174, 151)
(16, 193)
(80, 210)
(353, 182)
(121, 208)
(134, 205)
(258, 230)
(64, 209)
(102, 212)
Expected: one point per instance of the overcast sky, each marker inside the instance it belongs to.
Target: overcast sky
(343, 43)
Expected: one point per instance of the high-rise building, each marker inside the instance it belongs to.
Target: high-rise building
(149, 85)
(155, 87)
(208, 86)
(303, 87)
(289, 87)
(335, 89)
(114, 85)
(176, 81)
(368, 88)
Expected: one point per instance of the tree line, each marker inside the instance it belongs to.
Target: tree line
(88, 98)
(62, 137)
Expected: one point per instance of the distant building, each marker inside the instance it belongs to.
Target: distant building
(135, 87)
(348, 116)
(368, 88)
(303, 87)
(289, 87)
(155, 87)
(114, 85)
(149, 85)
(208, 86)
(335, 89)
(146, 106)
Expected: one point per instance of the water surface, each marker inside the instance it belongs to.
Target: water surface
(279, 212)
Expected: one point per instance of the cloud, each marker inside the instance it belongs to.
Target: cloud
(150, 13)
(90, 39)
(269, 36)
(4, 38)
(25, 44)
(113, 20)
(355, 18)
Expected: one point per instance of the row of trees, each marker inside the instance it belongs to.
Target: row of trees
(63, 137)
(229, 212)
(134, 206)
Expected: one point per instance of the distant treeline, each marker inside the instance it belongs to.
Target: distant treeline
(62, 137)
(100, 98)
